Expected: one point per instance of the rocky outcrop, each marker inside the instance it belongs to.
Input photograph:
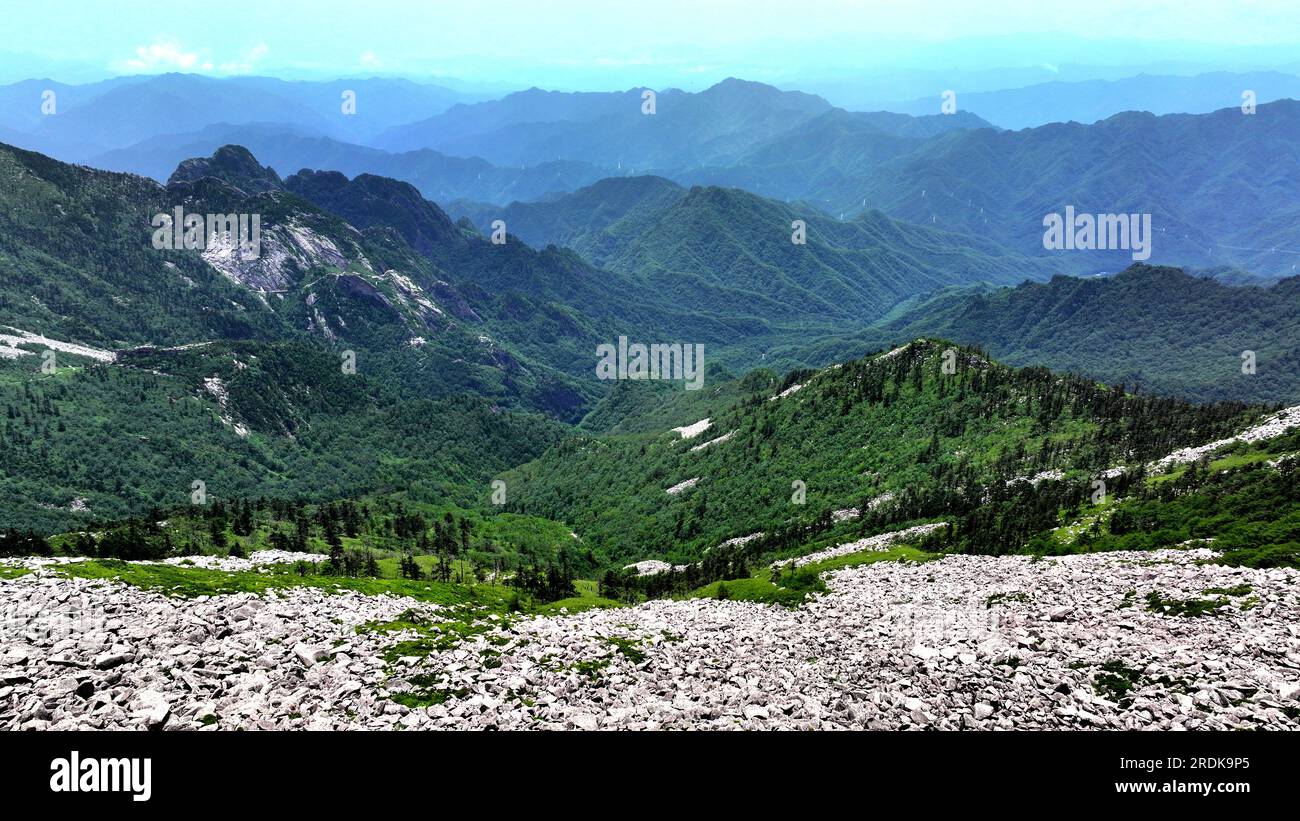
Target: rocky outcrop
(233, 165)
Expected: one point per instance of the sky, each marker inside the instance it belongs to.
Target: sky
(606, 44)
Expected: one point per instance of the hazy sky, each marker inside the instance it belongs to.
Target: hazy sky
(618, 43)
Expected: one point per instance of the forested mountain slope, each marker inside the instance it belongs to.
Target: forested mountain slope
(1157, 329)
(727, 251)
(893, 434)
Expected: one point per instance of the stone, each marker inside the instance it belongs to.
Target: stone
(106, 661)
(308, 654)
(152, 708)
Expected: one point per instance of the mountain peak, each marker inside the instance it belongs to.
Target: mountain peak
(232, 164)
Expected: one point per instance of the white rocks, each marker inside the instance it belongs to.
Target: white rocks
(691, 431)
(1038, 478)
(107, 661)
(1274, 425)
(137, 659)
(881, 542)
(682, 486)
(719, 440)
(964, 642)
(151, 708)
(736, 541)
(258, 560)
(850, 513)
(649, 567)
(9, 343)
(790, 391)
(308, 654)
(904, 645)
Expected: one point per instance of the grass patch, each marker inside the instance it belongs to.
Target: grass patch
(753, 590)
(1002, 598)
(189, 582)
(576, 604)
(1228, 462)
(1239, 590)
(792, 587)
(436, 635)
(1115, 681)
(588, 598)
(1184, 608)
(7, 572)
(629, 648)
(901, 553)
(592, 669)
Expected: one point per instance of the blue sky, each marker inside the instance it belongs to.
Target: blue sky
(602, 44)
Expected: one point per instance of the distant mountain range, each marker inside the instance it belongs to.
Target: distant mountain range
(613, 129)
(438, 176)
(1087, 101)
(1220, 186)
(523, 147)
(317, 279)
(367, 262)
(710, 246)
(88, 120)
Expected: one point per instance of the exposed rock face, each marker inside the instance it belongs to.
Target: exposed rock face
(455, 302)
(363, 291)
(964, 642)
(285, 251)
(10, 342)
(682, 486)
(232, 164)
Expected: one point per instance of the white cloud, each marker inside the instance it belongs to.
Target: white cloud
(171, 55)
(165, 55)
(370, 60)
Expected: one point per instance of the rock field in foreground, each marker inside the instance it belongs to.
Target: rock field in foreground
(963, 642)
